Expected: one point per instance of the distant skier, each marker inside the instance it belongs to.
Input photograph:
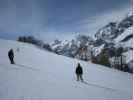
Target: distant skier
(11, 56)
(79, 72)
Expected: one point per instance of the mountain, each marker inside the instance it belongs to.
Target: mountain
(80, 47)
(114, 29)
(41, 75)
(126, 38)
(108, 32)
(117, 34)
(114, 34)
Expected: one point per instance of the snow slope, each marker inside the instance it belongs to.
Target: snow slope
(125, 34)
(128, 32)
(40, 75)
(129, 56)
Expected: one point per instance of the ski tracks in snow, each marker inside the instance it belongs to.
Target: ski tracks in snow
(98, 86)
(27, 67)
(18, 67)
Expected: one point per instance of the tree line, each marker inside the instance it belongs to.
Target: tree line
(33, 40)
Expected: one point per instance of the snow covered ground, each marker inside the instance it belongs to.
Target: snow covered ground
(128, 43)
(129, 55)
(40, 75)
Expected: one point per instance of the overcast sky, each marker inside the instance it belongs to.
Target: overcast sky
(51, 19)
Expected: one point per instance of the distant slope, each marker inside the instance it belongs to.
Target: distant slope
(121, 37)
(126, 38)
(40, 75)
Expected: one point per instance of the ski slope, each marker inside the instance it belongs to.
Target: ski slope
(40, 75)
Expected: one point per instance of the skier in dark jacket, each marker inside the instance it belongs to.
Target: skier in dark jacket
(79, 72)
(11, 56)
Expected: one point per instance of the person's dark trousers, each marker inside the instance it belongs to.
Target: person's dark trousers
(79, 77)
(11, 60)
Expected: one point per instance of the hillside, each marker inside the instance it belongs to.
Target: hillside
(41, 75)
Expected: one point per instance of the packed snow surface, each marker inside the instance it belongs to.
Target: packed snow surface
(40, 75)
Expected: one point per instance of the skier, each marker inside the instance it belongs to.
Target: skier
(11, 56)
(79, 72)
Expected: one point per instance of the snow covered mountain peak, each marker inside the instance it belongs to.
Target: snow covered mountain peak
(114, 34)
(73, 47)
(114, 29)
(108, 32)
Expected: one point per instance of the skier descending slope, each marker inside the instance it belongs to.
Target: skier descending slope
(79, 72)
(11, 56)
